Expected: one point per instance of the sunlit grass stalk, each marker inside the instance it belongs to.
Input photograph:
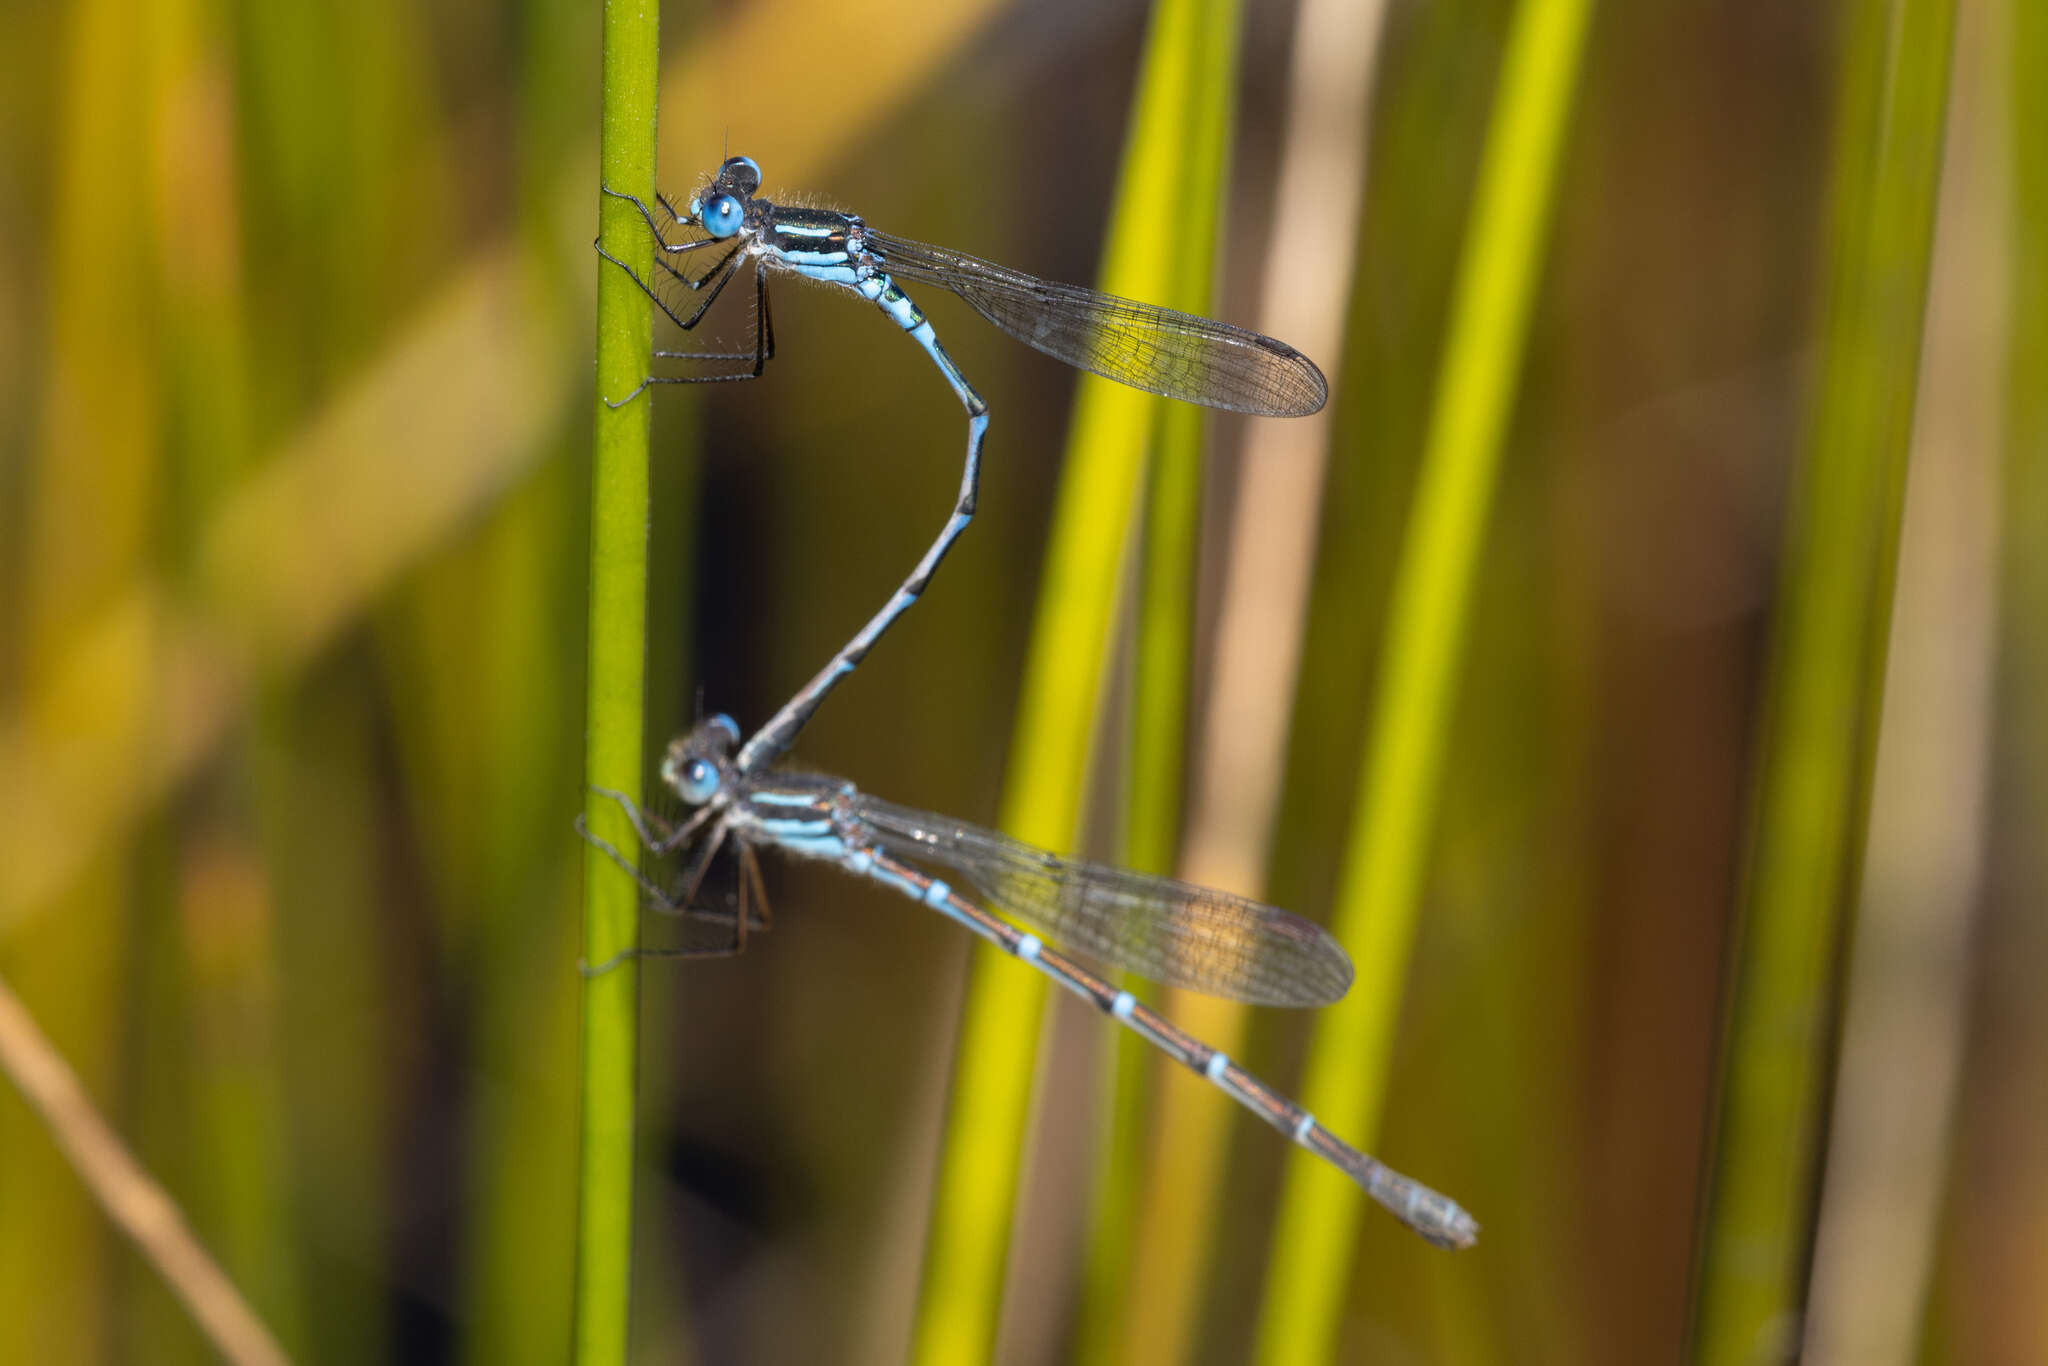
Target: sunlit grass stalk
(100, 448)
(1159, 703)
(1158, 719)
(1157, 1184)
(1826, 681)
(616, 672)
(973, 1210)
(1997, 1187)
(525, 1015)
(1380, 890)
(1118, 1252)
(2024, 630)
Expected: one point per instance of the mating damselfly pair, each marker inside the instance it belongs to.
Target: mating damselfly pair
(1170, 932)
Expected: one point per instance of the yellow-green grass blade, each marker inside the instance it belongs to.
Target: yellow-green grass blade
(1996, 1238)
(1158, 1183)
(1826, 683)
(86, 524)
(1118, 1253)
(516, 596)
(1380, 888)
(615, 682)
(982, 1152)
(1922, 918)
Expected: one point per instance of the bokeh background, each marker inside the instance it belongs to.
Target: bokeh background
(295, 409)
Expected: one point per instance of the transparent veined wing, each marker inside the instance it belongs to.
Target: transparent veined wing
(1164, 930)
(1155, 349)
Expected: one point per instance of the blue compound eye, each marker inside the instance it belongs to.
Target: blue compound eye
(722, 216)
(700, 780)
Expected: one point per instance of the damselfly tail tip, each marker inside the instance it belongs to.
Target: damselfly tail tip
(1437, 1217)
(1440, 1219)
(1460, 1232)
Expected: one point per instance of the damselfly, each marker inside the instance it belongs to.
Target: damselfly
(1158, 350)
(1170, 932)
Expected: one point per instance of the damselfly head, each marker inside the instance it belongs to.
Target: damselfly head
(696, 764)
(721, 208)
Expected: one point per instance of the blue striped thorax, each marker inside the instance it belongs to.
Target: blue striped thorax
(799, 811)
(819, 243)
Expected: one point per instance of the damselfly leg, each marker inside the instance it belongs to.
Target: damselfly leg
(751, 895)
(709, 285)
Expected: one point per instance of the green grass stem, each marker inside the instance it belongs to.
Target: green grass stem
(1826, 683)
(1157, 1183)
(615, 683)
(1063, 683)
(1380, 889)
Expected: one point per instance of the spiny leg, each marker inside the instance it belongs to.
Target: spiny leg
(680, 906)
(750, 873)
(727, 950)
(647, 885)
(746, 892)
(694, 284)
(645, 822)
(659, 898)
(653, 227)
(716, 278)
(719, 276)
(763, 349)
(693, 875)
(669, 248)
(653, 894)
(764, 339)
(752, 902)
(775, 737)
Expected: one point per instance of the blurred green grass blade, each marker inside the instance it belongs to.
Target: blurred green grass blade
(519, 1275)
(1115, 1203)
(1380, 890)
(1826, 682)
(1173, 484)
(1165, 629)
(224, 1086)
(1999, 1188)
(1157, 1184)
(615, 680)
(501, 821)
(2027, 381)
(86, 513)
(2025, 538)
(972, 1215)
(1126, 1253)
(1158, 722)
